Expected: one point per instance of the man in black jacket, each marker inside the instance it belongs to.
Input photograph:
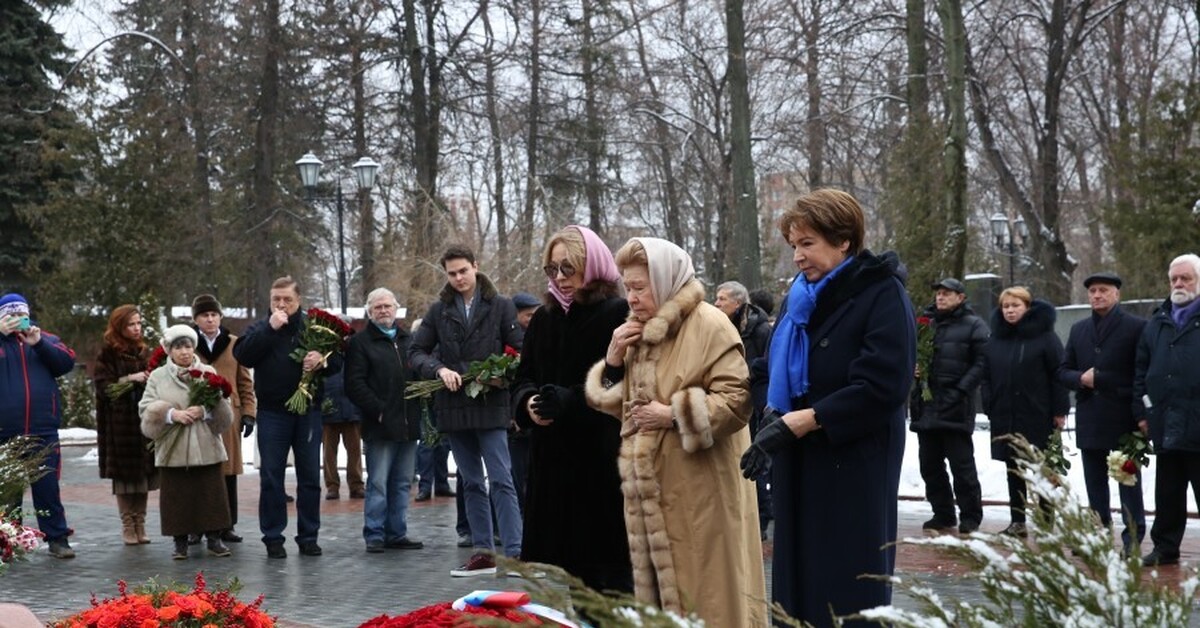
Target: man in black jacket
(470, 322)
(945, 423)
(266, 347)
(376, 376)
(1165, 382)
(1098, 365)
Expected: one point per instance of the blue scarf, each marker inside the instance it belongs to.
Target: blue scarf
(788, 360)
(390, 332)
(1182, 313)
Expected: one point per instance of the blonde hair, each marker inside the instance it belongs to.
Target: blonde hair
(834, 214)
(571, 239)
(632, 253)
(1017, 292)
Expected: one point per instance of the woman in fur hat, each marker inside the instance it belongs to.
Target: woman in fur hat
(675, 376)
(187, 447)
(123, 454)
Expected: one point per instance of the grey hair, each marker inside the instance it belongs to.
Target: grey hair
(381, 292)
(1187, 258)
(736, 290)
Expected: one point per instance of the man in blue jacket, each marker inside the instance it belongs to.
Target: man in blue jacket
(30, 404)
(266, 347)
(1167, 406)
(1098, 366)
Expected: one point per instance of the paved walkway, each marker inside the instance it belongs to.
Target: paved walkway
(345, 586)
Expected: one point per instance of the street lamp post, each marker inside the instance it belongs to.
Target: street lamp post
(1004, 232)
(364, 175)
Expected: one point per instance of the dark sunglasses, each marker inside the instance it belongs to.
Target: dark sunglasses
(552, 270)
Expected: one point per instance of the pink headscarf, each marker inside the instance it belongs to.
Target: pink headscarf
(598, 264)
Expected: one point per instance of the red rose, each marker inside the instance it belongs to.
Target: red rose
(510, 352)
(924, 321)
(194, 373)
(1129, 466)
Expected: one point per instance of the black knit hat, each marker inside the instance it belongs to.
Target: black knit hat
(205, 303)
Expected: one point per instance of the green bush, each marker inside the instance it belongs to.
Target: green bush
(79, 399)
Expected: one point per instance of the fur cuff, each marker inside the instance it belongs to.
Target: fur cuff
(689, 408)
(599, 397)
(154, 418)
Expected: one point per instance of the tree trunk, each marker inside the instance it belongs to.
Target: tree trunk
(955, 149)
(593, 126)
(493, 117)
(366, 209)
(662, 138)
(533, 186)
(198, 120)
(263, 181)
(745, 200)
(425, 86)
(816, 122)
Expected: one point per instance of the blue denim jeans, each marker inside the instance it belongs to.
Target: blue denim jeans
(431, 466)
(279, 432)
(473, 450)
(47, 501)
(389, 477)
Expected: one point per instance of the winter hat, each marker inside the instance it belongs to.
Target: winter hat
(524, 301)
(205, 303)
(175, 332)
(13, 304)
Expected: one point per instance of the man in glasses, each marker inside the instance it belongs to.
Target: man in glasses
(469, 322)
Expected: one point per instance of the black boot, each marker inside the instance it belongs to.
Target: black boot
(181, 547)
(215, 546)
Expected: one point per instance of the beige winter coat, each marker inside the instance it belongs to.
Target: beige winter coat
(691, 518)
(243, 401)
(177, 445)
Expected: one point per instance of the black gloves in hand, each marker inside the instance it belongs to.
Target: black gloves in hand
(553, 401)
(772, 436)
(247, 426)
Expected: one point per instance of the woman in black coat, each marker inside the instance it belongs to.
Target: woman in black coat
(841, 365)
(1021, 393)
(573, 504)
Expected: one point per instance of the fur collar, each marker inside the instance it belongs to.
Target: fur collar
(484, 289)
(595, 291)
(1037, 321)
(219, 346)
(670, 315)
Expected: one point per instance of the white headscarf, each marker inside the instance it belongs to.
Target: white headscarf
(670, 268)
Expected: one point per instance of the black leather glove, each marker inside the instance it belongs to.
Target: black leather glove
(553, 401)
(772, 436)
(247, 425)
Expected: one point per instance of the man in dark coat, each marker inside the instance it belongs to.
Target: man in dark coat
(470, 322)
(266, 347)
(754, 325)
(1165, 384)
(945, 423)
(376, 376)
(1098, 365)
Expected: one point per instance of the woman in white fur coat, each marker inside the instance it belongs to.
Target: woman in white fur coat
(676, 378)
(187, 450)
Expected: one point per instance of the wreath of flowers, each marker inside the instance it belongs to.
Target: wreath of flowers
(157, 606)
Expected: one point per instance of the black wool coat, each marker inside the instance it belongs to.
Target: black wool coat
(1021, 392)
(276, 375)
(1168, 372)
(445, 339)
(376, 376)
(122, 447)
(573, 504)
(959, 338)
(1105, 412)
(834, 492)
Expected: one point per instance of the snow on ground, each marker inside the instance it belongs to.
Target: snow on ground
(992, 474)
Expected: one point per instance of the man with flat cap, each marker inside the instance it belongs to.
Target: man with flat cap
(1098, 365)
(945, 423)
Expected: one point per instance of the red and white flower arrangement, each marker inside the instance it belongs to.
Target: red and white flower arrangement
(16, 540)
(493, 372)
(326, 334)
(1123, 465)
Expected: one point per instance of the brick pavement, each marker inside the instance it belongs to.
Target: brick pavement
(345, 586)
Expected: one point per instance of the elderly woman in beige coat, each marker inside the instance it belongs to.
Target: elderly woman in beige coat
(187, 447)
(675, 377)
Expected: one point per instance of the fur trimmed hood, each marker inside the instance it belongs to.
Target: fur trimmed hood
(1037, 321)
(665, 323)
(484, 288)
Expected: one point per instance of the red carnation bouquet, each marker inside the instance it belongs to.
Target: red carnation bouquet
(172, 607)
(925, 333)
(495, 371)
(326, 334)
(117, 390)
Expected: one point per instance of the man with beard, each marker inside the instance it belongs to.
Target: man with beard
(1164, 401)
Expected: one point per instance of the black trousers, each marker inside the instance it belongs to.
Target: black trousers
(936, 448)
(1095, 477)
(231, 491)
(1176, 470)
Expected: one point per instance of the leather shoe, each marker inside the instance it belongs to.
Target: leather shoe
(310, 549)
(464, 540)
(331, 495)
(276, 550)
(229, 536)
(423, 496)
(938, 525)
(1158, 557)
(374, 547)
(444, 493)
(358, 494)
(967, 527)
(404, 543)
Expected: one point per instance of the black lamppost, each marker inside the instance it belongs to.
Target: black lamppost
(364, 174)
(1006, 235)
